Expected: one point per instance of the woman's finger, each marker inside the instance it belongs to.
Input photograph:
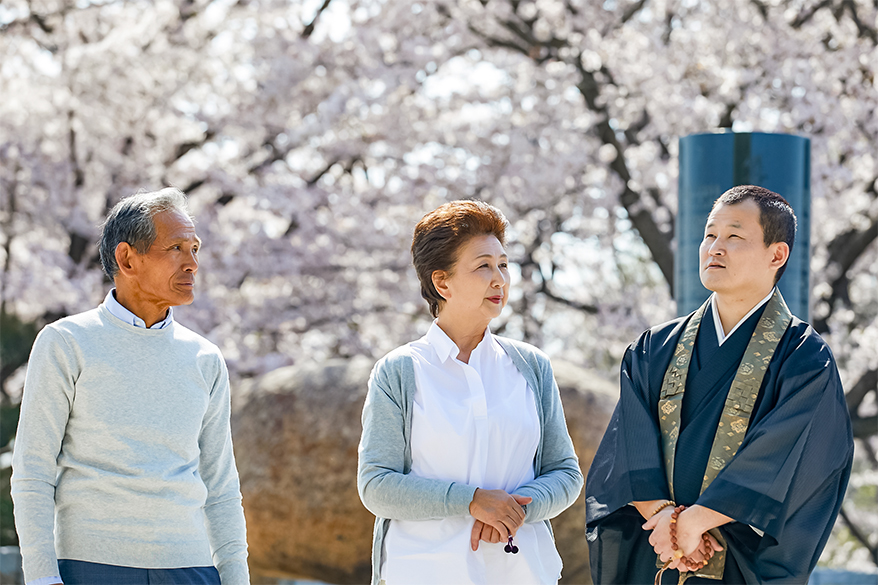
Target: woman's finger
(522, 500)
(489, 534)
(519, 512)
(504, 529)
(476, 534)
(495, 536)
(515, 521)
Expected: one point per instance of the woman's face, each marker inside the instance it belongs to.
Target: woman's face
(478, 286)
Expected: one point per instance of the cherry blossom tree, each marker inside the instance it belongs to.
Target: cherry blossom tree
(311, 136)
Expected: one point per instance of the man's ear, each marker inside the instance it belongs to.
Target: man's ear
(440, 281)
(125, 258)
(780, 253)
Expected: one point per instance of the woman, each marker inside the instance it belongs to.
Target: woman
(465, 453)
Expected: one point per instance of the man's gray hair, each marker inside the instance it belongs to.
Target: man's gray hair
(131, 221)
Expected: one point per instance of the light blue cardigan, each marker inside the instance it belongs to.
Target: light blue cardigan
(385, 459)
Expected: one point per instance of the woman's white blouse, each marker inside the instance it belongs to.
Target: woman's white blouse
(475, 424)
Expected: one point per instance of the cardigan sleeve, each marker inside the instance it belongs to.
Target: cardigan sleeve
(385, 486)
(558, 480)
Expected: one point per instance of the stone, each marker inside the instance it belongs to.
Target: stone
(296, 431)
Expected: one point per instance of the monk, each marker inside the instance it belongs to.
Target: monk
(729, 452)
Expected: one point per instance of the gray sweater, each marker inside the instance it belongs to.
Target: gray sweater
(390, 492)
(124, 450)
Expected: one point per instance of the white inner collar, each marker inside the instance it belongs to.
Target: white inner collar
(721, 336)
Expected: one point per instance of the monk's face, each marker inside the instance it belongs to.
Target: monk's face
(734, 259)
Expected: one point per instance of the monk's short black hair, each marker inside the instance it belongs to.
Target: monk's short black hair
(776, 215)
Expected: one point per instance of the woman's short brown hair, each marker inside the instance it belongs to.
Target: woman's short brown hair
(441, 233)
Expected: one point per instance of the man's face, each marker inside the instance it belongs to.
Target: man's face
(166, 272)
(733, 256)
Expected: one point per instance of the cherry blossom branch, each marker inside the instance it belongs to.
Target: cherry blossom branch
(309, 28)
(544, 289)
(860, 536)
(863, 427)
(808, 13)
(658, 241)
(868, 382)
(864, 29)
(844, 250)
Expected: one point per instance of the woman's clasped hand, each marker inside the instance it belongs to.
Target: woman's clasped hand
(498, 515)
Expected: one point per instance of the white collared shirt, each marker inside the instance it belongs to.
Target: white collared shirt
(721, 335)
(117, 310)
(476, 424)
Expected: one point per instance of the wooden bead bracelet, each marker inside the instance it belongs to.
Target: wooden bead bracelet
(690, 564)
(662, 507)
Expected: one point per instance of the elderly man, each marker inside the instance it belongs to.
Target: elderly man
(730, 449)
(123, 470)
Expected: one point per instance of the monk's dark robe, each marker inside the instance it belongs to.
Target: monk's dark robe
(787, 479)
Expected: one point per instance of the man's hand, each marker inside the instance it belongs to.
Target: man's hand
(695, 521)
(497, 509)
(647, 509)
(696, 559)
(660, 539)
(692, 523)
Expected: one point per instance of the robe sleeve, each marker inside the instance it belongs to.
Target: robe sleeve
(789, 455)
(628, 466)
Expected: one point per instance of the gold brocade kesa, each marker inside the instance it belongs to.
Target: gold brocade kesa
(737, 409)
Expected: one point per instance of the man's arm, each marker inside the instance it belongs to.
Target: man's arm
(45, 407)
(650, 508)
(226, 527)
(628, 466)
(691, 524)
(788, 453)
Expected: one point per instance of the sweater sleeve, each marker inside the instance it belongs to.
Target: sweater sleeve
(52, 372)
(224, 513)
(559, 479)
(385, 487)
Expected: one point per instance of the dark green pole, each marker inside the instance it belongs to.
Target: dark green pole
(710, 164)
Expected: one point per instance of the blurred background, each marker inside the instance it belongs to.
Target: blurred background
(312, 135)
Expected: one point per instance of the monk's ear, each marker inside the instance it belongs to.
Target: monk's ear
(780, 253)
(440, 282)
(125, 254)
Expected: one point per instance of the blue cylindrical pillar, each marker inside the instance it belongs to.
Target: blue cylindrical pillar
(710, 164)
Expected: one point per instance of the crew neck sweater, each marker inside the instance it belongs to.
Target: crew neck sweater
(124, 451)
